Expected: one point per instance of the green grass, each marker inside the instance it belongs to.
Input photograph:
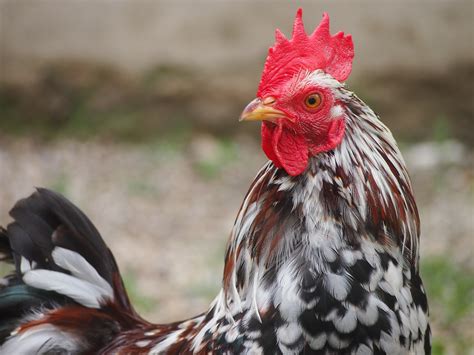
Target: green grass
(142, 303)
(208, 288)
(441, 130)
(212, 166)
(60, 183)
(451, 286)
(5, 269)
(142, 188)
(450, 290)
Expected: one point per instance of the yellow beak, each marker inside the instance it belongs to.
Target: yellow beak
(259, 110)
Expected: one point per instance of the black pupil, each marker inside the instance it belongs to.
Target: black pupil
(312, 100)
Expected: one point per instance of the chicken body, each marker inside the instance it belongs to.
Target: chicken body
(309, 267)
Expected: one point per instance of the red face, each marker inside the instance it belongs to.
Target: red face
(299, 119)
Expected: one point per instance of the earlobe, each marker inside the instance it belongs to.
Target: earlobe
(335, 133)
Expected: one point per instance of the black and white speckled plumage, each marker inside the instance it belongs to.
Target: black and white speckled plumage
(326, 262)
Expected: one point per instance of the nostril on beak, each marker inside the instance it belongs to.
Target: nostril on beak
(251, 107)
(268, 100)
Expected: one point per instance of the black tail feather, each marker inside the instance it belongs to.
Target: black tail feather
(17, 300)
(43, 221)
(5, 248)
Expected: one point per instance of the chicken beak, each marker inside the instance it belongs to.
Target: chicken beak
(259, 110)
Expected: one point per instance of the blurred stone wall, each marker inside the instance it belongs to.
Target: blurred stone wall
(224, 36)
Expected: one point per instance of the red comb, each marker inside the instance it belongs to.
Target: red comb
(320, 50)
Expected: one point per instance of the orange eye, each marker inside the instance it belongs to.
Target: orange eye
(312, 101)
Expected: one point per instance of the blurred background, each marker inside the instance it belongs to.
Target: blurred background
(130, 109)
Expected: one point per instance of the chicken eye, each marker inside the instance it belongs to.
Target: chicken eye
(312, 101)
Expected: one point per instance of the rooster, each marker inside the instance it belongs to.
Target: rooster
(323, 257)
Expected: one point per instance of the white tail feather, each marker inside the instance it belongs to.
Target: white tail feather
(24, 265)
(79, 267)
(85, 285)
(81, 291)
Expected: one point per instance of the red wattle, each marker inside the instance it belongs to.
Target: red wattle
(291, 150)
(267, 143)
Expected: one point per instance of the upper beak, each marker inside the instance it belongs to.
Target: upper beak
(259, 110)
